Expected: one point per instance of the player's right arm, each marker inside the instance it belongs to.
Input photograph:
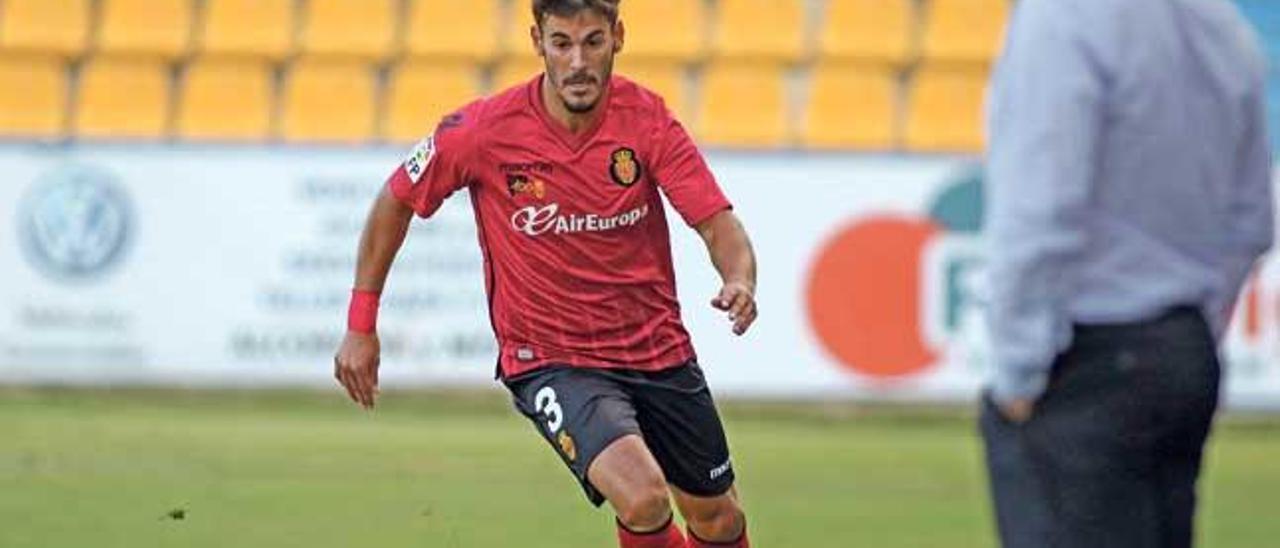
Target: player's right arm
(435, 168)
(357, 361)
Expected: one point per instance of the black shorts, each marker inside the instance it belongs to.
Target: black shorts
(580, 411)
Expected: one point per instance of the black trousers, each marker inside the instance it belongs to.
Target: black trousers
(1111, 455)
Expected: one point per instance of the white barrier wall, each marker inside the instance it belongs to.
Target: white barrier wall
(232, 266)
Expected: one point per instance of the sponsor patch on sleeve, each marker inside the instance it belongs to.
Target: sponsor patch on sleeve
(416, 164)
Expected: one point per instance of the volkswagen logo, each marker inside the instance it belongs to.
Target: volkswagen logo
(75, 223)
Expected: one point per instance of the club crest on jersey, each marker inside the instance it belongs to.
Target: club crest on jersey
(419, 158)
(567, 447)
(518, 184)
(624, 167)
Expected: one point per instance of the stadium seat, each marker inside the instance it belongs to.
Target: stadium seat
(759, 29)
(516, 70)
(743, 104)
(670, 30)
(420, 93)
(225, 99)
(450, 30)
(125, 98)
(876, 31)
(33, 97)
(328, 101)
(248, 28)
(361, 29)
(160, 28)
(664, 78)
(514, 35)
(945, 110)
(851, 107)
(963, 31)
(41, 26)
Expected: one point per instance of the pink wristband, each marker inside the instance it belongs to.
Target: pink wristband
(362, 315)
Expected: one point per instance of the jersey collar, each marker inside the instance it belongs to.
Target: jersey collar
(573, 141)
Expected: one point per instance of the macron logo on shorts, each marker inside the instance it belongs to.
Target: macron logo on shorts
(416, 164)
(721, 470)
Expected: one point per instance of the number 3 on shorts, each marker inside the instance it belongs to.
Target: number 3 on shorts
(545, 402)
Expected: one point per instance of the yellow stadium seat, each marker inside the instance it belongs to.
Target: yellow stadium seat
(123, 98)
(515, 71)
(673, 30)
(760, 29)
(514, 40)
(449, 29)
(33, 95)
(251, 28)
(851, 106)
(944, 110)
(43, 26)
(328, 101)
(159, 28)
(743, 104)
(421, 93)
(963, 31)
(363, 29)
(664, 78)
(878, 31)
(225, 99)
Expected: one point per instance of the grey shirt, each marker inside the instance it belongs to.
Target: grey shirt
(1129, 172)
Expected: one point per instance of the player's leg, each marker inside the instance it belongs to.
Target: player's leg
(682, 428)
(712, 521)
(590, 422)
(630, 479)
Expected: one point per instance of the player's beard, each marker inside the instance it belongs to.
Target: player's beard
(587, 105)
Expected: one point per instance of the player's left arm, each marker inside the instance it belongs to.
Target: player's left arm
(731, 253)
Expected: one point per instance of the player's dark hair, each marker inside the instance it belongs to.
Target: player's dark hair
(569, 8)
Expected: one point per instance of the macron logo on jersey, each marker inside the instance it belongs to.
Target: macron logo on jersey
(416, 164)
(535, 221)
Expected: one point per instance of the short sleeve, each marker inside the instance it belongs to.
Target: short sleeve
(437, 166)
(682, 174)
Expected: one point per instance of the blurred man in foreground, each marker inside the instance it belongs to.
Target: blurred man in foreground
(565, 174)
(1130, 195)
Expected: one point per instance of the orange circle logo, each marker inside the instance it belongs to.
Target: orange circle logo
(864, 296)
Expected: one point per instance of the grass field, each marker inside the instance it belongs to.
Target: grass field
(100, 469)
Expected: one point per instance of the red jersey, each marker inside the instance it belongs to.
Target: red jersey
(576, 247)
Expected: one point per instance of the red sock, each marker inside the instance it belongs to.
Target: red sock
(740, 542)
(666, 537)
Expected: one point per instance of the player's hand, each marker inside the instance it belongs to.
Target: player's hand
(356, 367)
(1017, 411)
(739, 300)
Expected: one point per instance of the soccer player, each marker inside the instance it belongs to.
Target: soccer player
(565, 175)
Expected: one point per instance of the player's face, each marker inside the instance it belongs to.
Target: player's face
(578, 52)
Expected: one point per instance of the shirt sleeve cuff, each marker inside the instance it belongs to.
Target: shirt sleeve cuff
(697, 217)
(402, 190)
(1018, 383)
